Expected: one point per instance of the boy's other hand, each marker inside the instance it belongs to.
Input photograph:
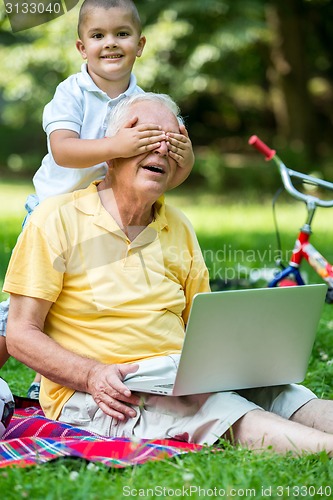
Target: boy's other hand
(180, 150)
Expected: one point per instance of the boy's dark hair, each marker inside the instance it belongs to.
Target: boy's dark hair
(88, 5)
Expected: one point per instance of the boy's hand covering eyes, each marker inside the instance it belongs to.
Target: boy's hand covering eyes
(133, 140)
(180, 148)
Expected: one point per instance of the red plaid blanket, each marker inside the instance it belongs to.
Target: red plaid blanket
(33, 439)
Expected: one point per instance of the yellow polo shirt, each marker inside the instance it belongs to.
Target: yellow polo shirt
(114, 300)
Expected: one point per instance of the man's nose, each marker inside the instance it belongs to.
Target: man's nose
(162, 149)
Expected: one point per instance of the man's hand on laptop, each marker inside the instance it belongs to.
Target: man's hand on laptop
(112, 396)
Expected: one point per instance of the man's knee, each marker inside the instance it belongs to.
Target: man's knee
(241, 431)
(316, 413)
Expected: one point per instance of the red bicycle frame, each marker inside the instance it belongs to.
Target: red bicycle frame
(302, 249)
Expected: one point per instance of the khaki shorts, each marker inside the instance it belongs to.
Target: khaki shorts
(198, 418)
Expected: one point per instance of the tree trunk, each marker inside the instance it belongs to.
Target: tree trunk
(288, 75)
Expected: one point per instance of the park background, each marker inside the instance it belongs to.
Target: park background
(236, 68)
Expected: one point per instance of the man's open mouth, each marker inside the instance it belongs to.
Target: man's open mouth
(154, 168)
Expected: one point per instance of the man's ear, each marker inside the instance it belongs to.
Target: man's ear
(81, 48)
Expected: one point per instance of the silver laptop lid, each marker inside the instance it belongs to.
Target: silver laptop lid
(249, 338)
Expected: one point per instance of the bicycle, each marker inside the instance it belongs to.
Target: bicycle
(302, 248)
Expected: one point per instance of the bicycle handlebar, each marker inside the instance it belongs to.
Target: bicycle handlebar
(287, 174)
(262, 147)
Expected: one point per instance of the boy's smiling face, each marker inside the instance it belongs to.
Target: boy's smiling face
(110, 42)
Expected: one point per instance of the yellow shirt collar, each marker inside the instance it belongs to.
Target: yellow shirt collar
(88, 201)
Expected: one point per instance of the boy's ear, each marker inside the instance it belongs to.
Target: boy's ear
(141, 45)
(81, 48)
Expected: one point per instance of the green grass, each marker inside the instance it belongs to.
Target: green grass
(232, 235)
(12, 196)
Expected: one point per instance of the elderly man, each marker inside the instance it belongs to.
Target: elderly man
(101, 283)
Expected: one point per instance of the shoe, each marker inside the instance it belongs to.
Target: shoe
(33, 391)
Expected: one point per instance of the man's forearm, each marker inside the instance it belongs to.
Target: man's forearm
(36, 350)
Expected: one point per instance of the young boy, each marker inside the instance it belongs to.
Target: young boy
(110, 40)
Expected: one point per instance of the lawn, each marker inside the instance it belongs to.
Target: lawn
(238, 241)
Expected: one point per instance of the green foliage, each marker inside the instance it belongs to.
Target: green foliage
(214, 57)
(12, 195)
(33, 63)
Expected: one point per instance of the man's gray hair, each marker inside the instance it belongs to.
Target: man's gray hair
(119, 114)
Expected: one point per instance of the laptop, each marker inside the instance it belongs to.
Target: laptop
(239, 339)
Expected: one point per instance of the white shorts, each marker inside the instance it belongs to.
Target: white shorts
(197, 418)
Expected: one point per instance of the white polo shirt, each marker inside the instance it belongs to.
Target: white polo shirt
(78, 105)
